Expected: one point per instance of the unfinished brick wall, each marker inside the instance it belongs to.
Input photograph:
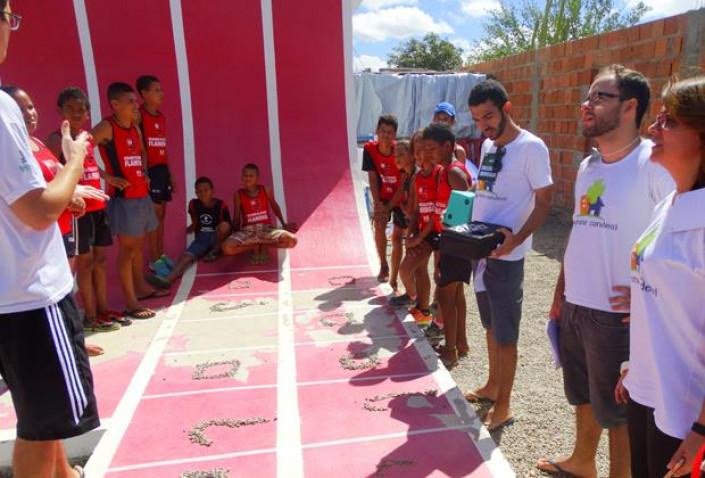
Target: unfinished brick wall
(546, 86)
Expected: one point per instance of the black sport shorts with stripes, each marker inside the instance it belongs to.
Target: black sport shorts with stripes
(44, 363)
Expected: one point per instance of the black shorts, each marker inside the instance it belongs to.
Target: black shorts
(44, 363)
(160, 183)
(398, 218)
(453, 269)
(70, 242)
(94, 230)
(433, 240)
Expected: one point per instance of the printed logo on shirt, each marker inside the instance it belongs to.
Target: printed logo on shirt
(24, 164)
(641, 245)
(133, 161)
(591, 206)
(156, 142)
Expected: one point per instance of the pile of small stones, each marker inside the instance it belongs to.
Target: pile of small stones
(197, 435)
(386, 464)
(227, 306)
(359, 361)
(329, 320)
(200, 372)
(214, 473)
(239, 284)
(341, 280)
(370, 406)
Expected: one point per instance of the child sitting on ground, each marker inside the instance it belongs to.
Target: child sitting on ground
(252, 224)
(210, 221)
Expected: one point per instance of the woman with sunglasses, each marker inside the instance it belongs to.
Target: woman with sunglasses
(665, 381)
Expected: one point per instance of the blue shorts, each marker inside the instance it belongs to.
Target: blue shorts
(202, 244)
(500, 305)
(132, 217)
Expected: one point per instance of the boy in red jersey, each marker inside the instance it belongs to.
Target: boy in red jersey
(130, 210)
(210, 221)
(422, 240)
(252, 222)
(384, 179)
(439, 143)
(153, 126)
(94, 234)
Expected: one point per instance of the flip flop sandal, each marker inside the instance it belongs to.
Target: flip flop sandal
(383, 275)
(118, 318)
(140, 313)
(491, 428)
(472, 397)
(210, 257)
(557, 471)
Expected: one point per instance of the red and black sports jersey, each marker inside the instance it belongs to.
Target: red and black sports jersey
(426, 188)
(207, 219)
(50, 165)
(123, 156)
(386, 168)
(254, 210)
(154, 133)
(444, 188)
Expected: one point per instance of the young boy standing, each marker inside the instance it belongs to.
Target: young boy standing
(153, 126)
(130, 209)
(384, 178)
(210, 221)
(252, 222)
(94, 234)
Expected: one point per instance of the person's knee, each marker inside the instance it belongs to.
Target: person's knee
(223, 230)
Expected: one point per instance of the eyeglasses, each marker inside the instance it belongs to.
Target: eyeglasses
(665, 121)
(597, 97)
(14, 20)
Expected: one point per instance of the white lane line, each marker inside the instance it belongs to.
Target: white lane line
(293, 269)
(289, 454)
(262, 451)
(331, 381)
(204, 293)
(103, 454)
(182, 69)
(105, 451)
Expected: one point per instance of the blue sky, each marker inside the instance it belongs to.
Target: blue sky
(380, 25)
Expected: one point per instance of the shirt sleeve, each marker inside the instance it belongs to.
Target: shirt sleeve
(538, 166)
(226, 214)
(368, 163)
(19, 171)
(660, 182)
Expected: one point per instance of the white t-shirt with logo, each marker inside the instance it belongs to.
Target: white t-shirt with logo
(667, 329)
(508, 200)
(613, 204)
(34, 271)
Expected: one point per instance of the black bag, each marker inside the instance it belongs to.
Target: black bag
(471, 241)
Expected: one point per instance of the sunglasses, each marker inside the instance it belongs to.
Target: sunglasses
(493, 161)
(598, 97)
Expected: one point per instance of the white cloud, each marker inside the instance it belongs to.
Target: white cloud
(464, 44)
(478, 8)
(380, 4)
(661, 9)
(363, 62)
(396, 23)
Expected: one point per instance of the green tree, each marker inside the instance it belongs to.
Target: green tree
(431, 53)
(595, 191)
(513, 29)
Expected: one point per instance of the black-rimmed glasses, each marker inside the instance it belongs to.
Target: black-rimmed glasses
(597, 97)
(14, 20)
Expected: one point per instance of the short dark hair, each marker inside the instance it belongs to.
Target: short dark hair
(72, 93)
(3, 5)
(252, 166)
(631, 84)
(144, 82)
(203, 180)
(117, 89)
(389, 120)
(439, 133)
(10, 89)
(488, 90)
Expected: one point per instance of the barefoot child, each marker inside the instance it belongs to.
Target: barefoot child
(153, 126)
(384, 179)
(404, 160)
(130, 210)
(252, 224)
(210, 221)
(94, 236)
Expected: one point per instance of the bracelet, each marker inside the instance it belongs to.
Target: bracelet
(698, 428)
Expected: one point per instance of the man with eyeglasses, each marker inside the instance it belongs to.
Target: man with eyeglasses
(616, 189)
(514, 189)
(42, 353)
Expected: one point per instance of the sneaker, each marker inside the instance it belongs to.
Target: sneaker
(160, 268)
(433, 332)
(422, 317)
(401, 300)
(168, 261)
(100, 324)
